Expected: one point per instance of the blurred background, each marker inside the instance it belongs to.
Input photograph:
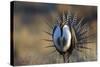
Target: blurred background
(30, 22)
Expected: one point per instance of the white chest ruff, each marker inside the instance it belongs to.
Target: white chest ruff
(65, 34)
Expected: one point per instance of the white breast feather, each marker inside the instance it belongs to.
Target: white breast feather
(67, 35)
(57, 34)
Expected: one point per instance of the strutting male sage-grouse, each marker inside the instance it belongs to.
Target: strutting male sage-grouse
(69, 34)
